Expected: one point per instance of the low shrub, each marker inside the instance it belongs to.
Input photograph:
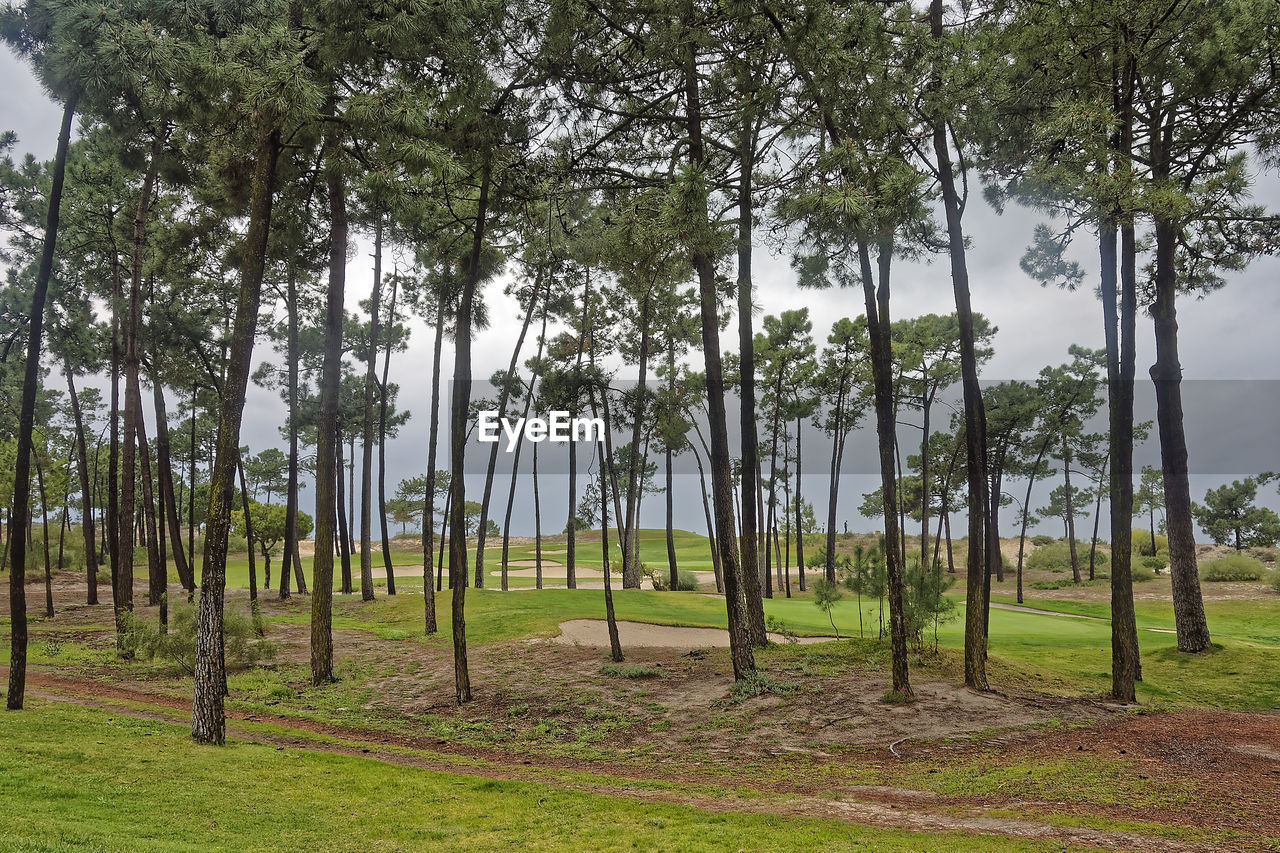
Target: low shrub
(1275, 582)
(242, 637)
(1141, 574)
(1058, 557)
(1156, 564)
(1233, 567)
(1042, 540)
(1142, 543)
(685, 581)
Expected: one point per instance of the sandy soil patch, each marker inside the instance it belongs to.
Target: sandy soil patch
(595, 632)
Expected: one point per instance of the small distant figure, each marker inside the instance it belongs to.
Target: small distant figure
(846, 528)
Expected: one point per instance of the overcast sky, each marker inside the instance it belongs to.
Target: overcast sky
(1229, 335)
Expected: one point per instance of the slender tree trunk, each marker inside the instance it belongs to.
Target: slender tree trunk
(741, 592)
(515, 462)
(799, 504)
(1070, 511)
(975, 674)
(571, 528)
(504, 395)
(444, 530)
(44, 538)
(208, 724)
(328, 443)
(878, 327)
(86, 502)
(191, 492)
(1166, 373)
(26, 425)
(132, 396)
(635, 464)
(248, 529)
(711, 528)
(366, 469)
(1097, 519)
(537, 524)
(169, 504)
(428, 509)
(458, 444)
(344, 534)
(749, 549)
(382, 440)
(833, 488)
(157, 572)
(291, 494)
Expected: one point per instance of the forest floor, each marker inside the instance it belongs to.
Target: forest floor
(813, 747)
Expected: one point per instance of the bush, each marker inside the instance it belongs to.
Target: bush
(1057, 557)
(1233, 567)
(1042, 540)
(1275, 582)
(242, 636)
(1142, 543)
(1141, 574)
(1156, 564)
(685, 581)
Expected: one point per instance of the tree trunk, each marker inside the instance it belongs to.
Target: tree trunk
(833, 487)
(44, 538)
(1070, 517)
(975, 674)
(132, 396)
(291, 494)
(157, 572)
(208, 724)
(504, 395)
(428, 509)
(711, 528)
(799, 504)
(86, 501)
(537, 523)
(741, 593)
(1097, 518)
(458, 445)
(169, 504)
(366, 469)
(635, 464)
(248, 529)
(328, 444)
(382, 440)
(878, 327)
(749, 548)
(26, 425)
(515, 462)
(344, 534)
(1166, 373)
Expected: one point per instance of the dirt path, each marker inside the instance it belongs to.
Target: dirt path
(867, 805)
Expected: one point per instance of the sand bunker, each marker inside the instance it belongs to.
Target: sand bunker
(595, 632)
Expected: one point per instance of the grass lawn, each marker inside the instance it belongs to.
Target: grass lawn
(83, 779)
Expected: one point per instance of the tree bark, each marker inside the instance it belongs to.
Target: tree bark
(86, 501)
(344, 534)
(328, 445)
(208, 723)
(428, 509)
(458, 444)
(1166, 373)
(291, 495)
(366, 469)
(383, 405)
(504, 395)
(878, 328)
(741, 592)
(26, 425)
(975, 674)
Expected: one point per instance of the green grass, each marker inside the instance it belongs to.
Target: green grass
(80, 779)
